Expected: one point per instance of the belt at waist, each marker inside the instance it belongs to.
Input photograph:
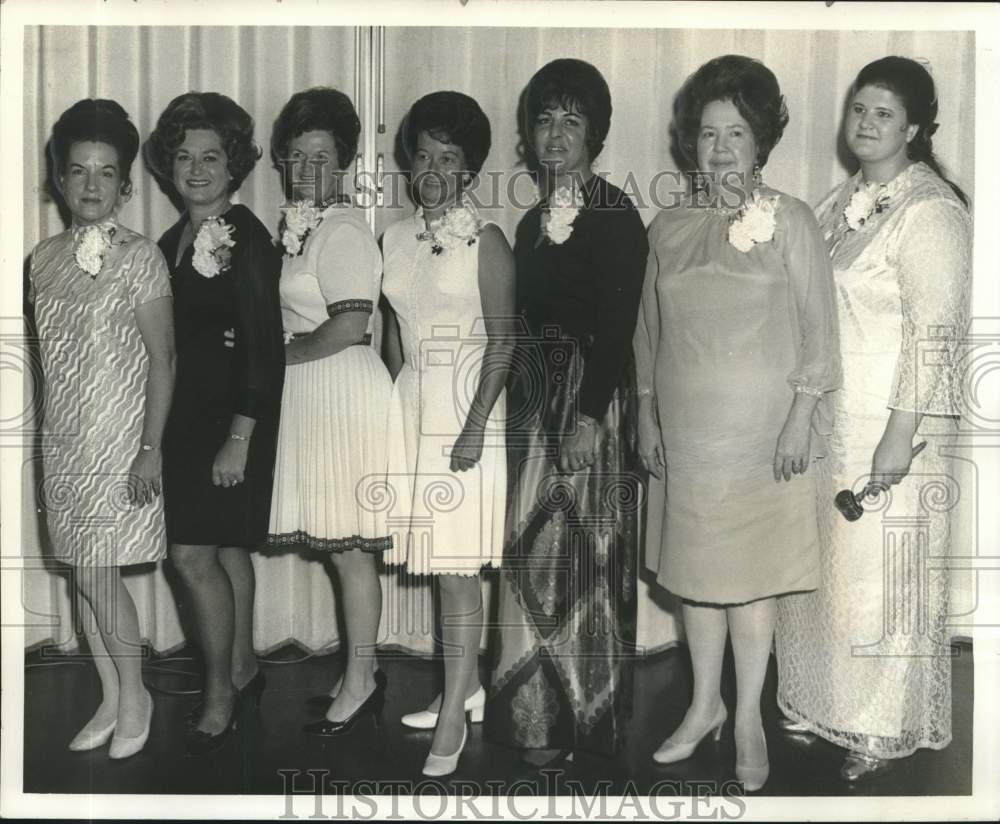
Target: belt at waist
(366, 339)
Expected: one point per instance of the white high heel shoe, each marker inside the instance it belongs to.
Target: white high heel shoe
(671, 751)
(437, 766)
(753, 776)
(427, 719)
(127, 747)
(92, 739)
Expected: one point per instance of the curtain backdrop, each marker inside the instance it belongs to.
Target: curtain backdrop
(260, 67)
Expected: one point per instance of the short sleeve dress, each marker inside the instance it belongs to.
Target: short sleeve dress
(334, 411)
(215, 381)
(725, 339)
(95, 367)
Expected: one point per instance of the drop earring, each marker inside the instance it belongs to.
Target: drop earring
(758, 179)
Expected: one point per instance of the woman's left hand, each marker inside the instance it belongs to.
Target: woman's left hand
(230, 463)
(468, 449)
(791, 455)
(892, 458)
(144, 477)
(579, 450)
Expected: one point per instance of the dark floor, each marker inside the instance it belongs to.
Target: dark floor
(62, 694)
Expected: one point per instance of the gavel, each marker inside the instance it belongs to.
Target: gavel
(849, 504)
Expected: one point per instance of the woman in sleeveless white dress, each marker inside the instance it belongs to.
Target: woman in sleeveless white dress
(864, 661)
(449, 278)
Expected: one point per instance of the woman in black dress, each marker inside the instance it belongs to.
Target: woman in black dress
(220, 442)
(563, 677)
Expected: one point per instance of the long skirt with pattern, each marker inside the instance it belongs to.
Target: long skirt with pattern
(567, 594)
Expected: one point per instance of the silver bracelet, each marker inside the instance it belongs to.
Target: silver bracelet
(233, 436)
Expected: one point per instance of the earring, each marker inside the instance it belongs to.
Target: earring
(758, 179)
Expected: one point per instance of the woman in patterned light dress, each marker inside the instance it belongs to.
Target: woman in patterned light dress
(736, 345)
(567, 597)
(335, 402)
(865, 660)
(220, 440)
(449, 278)
(102, 306)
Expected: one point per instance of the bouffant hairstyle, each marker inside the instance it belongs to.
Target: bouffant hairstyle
(571, 84)
(99, 121)
(451, 117)
(204, 110)
(753, 90)
(318, 109)
(914, 86)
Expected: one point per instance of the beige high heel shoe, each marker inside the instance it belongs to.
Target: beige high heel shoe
(92, 739)
(671, 751)
(127, 747)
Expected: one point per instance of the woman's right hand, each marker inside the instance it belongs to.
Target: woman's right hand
(650, 441)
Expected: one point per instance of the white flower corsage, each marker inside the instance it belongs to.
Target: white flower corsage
(458, 226)
(754, 222)
(558, 217)
(299, 220)
(868, 199)
(211, 247)
(90, 246)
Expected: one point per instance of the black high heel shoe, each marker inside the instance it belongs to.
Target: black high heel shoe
(202, 743)
(251, 690)
(373, 704)
(321, 703)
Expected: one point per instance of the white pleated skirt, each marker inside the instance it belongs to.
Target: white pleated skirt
(332, 454)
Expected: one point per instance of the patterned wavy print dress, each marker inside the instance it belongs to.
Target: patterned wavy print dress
(95, 368)
(864, 660)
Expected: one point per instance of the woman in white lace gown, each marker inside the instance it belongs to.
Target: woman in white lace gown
(864, 660)
(449, 278)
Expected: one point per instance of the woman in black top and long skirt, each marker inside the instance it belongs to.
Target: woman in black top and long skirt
(567, 611)
(219, 447)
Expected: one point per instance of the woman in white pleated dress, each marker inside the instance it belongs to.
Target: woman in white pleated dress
(449, 278)
(332, 437)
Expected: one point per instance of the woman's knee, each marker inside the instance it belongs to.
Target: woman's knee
(193, 561)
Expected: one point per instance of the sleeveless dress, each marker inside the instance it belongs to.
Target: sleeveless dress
(214, 382)
(95, 367)
(865, 660)
(334, 411)
(563, 671)
(442, 522)
(725, 339)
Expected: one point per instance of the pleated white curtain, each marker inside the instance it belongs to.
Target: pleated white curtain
(144, 68)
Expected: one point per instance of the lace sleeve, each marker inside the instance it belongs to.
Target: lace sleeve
(933, 259)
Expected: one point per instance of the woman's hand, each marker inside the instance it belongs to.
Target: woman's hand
(579, 450)
(892, 458)
(791, 455)
(468, 449)
(144, 477)
(230, 463)
(650, 441)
